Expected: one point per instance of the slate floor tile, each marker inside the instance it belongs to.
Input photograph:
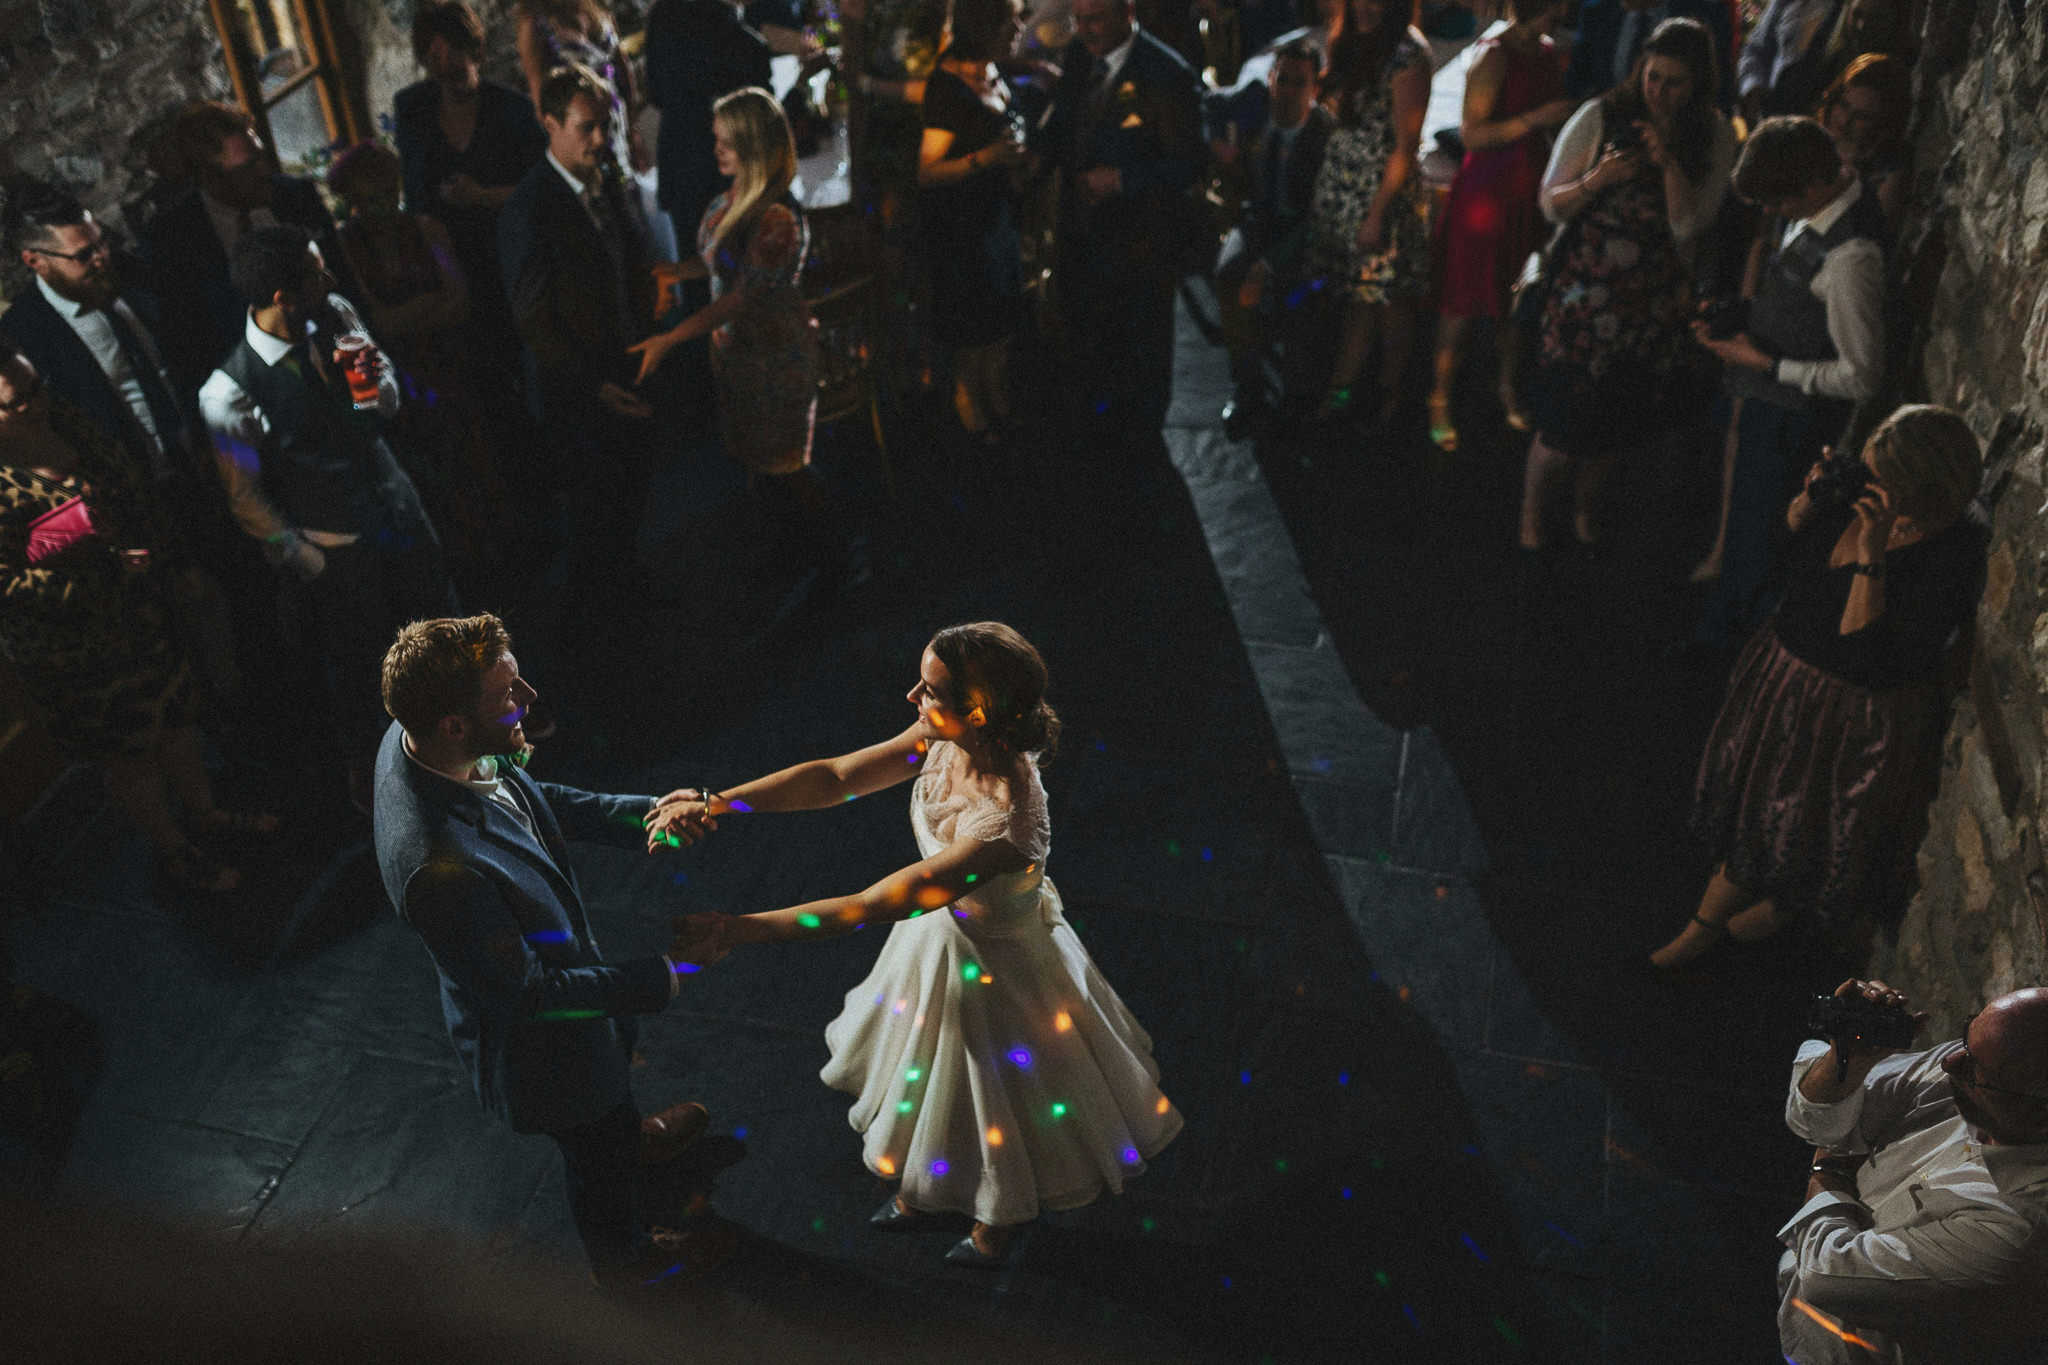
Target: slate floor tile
(1322, 729)
(1426, 939)
(220, 1179)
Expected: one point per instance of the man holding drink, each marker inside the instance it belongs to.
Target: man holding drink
(294, 411)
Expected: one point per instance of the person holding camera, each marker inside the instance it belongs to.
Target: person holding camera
(1924, 1235)
(1813, 347)
(1818, 770)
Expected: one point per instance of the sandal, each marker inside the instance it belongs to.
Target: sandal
(255, 823)
(194, 870)
(1442, 434)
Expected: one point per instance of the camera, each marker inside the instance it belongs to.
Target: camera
(1850, 1021)
(1843, 477)
(1725, 317)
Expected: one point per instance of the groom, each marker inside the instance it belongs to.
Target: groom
(472, 854)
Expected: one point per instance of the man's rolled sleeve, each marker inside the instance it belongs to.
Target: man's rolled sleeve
(238, 430)
(1823, 1125)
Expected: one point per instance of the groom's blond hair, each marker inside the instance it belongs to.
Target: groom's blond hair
(436, 668)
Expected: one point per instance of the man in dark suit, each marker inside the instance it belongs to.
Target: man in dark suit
(1124, 136)
(1612, 32)
(1278, 159)
(473, 856)
(95, 343)
(581, 287)
(235, 187)
(697, 51)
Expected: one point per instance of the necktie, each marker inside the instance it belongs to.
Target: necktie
(163, 408)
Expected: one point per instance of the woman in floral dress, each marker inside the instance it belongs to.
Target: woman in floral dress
(1368, 221)
(1636, 175)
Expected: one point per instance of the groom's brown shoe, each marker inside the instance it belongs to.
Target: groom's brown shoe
(667, 1135)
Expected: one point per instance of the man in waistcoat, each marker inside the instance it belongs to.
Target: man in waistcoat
(1813, 347)
(309, 476)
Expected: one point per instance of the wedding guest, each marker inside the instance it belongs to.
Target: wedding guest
(1635, 176)
(1779, 70)
(973, 144)
(1124, 138)
(308, 475)
(464, 142)
(1865, 110)
(1817, 773)
(1369, 223)
(551, 34)
(1610, 36)
(1262, 256)
(1491, 224)
(698, 51)
(235, 187)
(85, 622)
(1811, 348)
(764, 342)
(996, 1072)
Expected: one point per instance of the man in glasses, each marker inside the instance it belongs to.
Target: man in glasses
(1924, 1236)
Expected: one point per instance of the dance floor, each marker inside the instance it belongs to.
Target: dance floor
(1368, 823)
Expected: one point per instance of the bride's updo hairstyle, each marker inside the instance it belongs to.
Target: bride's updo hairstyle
(998, 670)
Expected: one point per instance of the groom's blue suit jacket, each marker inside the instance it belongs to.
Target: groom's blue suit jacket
(540, 1020)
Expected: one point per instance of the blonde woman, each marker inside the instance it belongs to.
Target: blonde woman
(764, 346)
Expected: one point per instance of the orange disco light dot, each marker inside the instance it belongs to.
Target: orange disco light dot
(1831, 1325)
(931, 897)
(1162, 1106)
(888, 1166)
(1062, 1021)
(995, 1137)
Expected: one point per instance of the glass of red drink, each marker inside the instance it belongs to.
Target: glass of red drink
(357, 355)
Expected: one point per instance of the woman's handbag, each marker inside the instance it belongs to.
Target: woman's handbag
(58, 529)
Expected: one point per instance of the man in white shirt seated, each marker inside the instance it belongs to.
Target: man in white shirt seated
(297, 445)
(1924, 1236)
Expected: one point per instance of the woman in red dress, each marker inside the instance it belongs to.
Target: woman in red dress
(1511, 105)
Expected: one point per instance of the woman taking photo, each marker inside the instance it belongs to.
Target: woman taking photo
(1818, 771)
(1513, 99)
(973, 140)
(996, 1071)
(1369, 217)
(85, 623)
(764, 343)
(1635, 177)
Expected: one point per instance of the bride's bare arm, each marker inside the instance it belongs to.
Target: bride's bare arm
(813, 785)
(927, 885)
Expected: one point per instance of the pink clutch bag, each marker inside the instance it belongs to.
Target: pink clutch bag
(58, 529)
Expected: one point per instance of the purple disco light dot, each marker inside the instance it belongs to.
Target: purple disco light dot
(941, 1167)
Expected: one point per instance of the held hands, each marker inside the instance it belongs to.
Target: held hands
(678, 820)
(700, 939)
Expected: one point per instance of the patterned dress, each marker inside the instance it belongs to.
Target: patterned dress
(766, 359)
(1613, 327)
(1346, 185)
(90, 640)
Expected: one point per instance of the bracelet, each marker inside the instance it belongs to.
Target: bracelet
(707, 796)
(1868, 570)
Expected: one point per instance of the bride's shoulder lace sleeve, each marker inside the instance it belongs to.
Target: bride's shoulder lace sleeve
(1017, 815)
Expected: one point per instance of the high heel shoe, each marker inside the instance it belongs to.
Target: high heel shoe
(896, 1215)
(983, 1248)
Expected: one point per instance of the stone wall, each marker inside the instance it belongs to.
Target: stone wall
(1977, 275)
(86, 85)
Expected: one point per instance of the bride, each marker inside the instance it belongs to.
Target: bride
(995, 1071)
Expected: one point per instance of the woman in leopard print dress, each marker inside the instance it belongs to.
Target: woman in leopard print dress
(84, 622)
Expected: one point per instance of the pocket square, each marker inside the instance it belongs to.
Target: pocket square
(1131, 121)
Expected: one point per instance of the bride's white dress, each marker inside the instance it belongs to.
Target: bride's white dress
(996, 1072)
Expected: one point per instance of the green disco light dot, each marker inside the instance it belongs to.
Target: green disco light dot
(971, 972)
(807, 921)
(817, 1225)
(915, 1073)
(903, 1106)
(1379, 1277)
(1059, 1111)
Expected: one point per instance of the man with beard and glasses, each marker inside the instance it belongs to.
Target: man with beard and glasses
(1924, 1236)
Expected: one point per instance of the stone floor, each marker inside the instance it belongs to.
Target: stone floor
(1369, 823)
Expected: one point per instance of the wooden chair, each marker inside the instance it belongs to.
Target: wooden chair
(846, 353)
